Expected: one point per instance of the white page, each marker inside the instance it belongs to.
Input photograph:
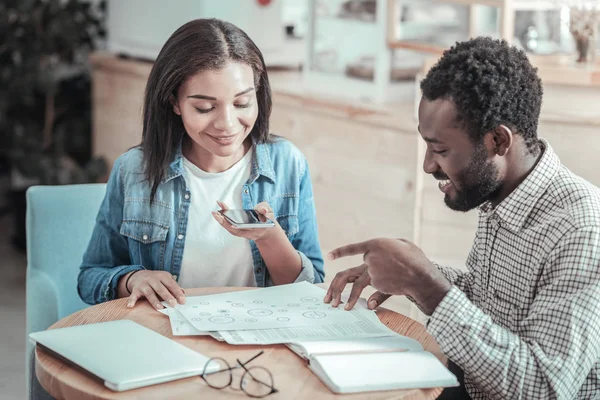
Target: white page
(386, 343)
(181, 327)
(382, 371)
(367, 325)
(294, 305)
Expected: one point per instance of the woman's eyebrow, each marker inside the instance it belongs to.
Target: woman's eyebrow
(205, 97)
(244, 92)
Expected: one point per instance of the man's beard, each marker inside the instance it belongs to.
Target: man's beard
(478, 183)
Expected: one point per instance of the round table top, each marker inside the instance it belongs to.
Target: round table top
(291, 376)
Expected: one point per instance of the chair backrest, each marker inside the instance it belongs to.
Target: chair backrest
(60, 220)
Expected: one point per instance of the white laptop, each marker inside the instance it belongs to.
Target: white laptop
(123, 354)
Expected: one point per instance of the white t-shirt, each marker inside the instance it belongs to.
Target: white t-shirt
(212, 256)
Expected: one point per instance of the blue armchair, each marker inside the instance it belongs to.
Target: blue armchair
(60, 220)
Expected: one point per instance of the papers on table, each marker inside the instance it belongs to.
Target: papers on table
(350, 351)
(366, 325)
(179, 325)
(280, 314)
(285, 306)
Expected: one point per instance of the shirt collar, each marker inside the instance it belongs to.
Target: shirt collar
(516, 207)
(261, 163)
(176, 166)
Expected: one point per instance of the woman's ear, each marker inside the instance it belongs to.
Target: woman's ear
(175, 105)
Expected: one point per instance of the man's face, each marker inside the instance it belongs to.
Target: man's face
(468, 176)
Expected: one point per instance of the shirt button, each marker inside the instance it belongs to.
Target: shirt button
(145, 237)
(258, 270)
(175, 277)
(246, 191)
(180, 236)
(187, 196)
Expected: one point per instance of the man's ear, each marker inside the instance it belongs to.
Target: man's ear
(175, 105)
(502, 139)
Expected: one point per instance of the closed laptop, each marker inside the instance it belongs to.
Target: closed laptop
(123, 354)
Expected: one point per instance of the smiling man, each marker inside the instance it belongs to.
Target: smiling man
(522, 322)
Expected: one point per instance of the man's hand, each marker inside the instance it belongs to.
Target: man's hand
(393, 266)
(359, 278)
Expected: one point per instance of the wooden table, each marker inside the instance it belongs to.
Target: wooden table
(291, 376)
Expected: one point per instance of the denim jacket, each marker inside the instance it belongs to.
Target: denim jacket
(132, 234)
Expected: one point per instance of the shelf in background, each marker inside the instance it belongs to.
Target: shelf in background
(344, 20)
(513, 4)
(417, 46)
(563, 70)
(560, 69)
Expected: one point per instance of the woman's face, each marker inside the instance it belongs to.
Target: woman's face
(218, 109)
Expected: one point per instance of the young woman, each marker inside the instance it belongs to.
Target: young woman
(205, 146)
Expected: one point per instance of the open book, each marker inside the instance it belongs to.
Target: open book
(370, 364)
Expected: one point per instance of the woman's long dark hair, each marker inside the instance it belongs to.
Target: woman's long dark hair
(199, 45)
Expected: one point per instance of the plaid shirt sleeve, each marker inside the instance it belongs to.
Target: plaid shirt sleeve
(461, 279)
(558, 342)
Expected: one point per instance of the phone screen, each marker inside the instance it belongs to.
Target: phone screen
(244, 216)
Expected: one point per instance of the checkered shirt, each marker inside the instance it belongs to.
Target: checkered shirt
(523, 321)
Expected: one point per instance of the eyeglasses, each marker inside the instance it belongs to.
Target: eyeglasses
(255, 381)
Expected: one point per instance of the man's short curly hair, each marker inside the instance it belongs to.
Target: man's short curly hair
(492, 84)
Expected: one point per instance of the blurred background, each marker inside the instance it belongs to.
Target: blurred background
(344, 75)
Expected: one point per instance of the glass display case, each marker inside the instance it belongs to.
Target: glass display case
(373, 49)
(347, 52)
(426, 25)
(537, 26)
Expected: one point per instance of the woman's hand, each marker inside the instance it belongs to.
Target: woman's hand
(153, 285)
(257, 234)
(279, 255)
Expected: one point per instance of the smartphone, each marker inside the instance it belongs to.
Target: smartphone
(246, 219)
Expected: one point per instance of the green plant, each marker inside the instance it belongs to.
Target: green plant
(45, 105)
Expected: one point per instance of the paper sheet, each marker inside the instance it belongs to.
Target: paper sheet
(286, 306)
(344, 346)
(181, 327)
(367, 325)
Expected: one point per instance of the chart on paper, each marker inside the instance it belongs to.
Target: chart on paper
(293, 305)
(367, 325)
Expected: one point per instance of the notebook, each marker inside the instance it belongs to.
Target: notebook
(373, 364)
(123, 354)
